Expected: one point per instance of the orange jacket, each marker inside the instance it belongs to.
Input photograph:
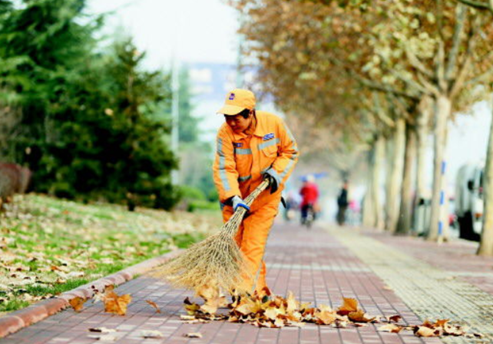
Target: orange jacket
(242, 159)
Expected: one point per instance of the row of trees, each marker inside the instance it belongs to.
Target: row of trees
(378, 77)
(82, 112)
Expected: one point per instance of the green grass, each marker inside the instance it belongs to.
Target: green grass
(57, 245)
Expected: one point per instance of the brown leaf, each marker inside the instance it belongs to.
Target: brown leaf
(77, 303)
(105, 337)
(291, 303)
(394, 318)
(423, 331)
(151, 334)
(193, 335)
(349, 305)
(441, 322)
(390, 328)
(324, 317)
(113, 303)
(102, 330)
(191, 307)
(360, 316)
(153, 304)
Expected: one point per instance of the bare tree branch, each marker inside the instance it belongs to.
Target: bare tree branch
(478, 5)
(457, 39)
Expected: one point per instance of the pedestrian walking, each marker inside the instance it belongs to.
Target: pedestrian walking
(342, 204)
(252, 146)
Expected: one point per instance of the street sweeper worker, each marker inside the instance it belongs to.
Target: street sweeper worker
(252, 146)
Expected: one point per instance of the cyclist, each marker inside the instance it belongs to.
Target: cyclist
(309, 193)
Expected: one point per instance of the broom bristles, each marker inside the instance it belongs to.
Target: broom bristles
(216, 261)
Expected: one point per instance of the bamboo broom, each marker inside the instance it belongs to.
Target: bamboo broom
(216, 261)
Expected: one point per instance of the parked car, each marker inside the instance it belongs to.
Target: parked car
(469, 203)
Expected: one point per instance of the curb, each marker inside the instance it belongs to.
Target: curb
(17, 320)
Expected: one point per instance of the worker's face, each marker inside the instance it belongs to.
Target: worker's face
(238, 123)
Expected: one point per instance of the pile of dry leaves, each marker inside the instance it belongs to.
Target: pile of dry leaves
(276, 312)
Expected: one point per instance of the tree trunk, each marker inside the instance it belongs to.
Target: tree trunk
(439, 205)
(405, 213)
(486, 244)
(388, 162)
(395, 178)
(424, 108)
(372, 206)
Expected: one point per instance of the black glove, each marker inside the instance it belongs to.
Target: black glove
(273, 184)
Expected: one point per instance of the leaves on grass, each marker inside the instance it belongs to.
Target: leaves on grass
(113, 303)
(153, 304)
(77, 303)
(50, 244)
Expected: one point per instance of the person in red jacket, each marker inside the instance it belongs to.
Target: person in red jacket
(309, 193)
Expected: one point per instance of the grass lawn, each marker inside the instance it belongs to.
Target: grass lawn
(48, 245)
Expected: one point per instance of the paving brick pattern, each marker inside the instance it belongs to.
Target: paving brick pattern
(457, 256)
(313, 264)
(431, 292)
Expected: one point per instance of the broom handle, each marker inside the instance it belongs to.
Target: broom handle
(231, 227)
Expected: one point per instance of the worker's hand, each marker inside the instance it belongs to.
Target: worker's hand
(272, 180)
(239, 202)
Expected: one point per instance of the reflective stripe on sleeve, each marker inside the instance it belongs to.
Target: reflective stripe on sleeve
(222, 165)
(245, 178)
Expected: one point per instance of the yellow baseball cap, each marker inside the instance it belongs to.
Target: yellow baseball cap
(236, 101)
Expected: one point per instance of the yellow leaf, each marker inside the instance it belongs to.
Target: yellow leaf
(77, 303)
(360, 316)
(324, 317)
(349, 305)
(272, 313)
(390, 328)
(153, 304)
(423, 331)
(113, 303)
(291, 303)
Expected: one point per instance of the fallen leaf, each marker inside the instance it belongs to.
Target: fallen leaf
(193, 335)
(394, 318)
(77, 303)
(272, 313)
(423, 331)
(191, 307)
(151, 334)
(153, 304)
(349, 305)
(102, 330)
(113, 303)
(390, 328)
(105, 338)
(360, 316)
(324, 317)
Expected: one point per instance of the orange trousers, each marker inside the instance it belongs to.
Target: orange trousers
(252, 238)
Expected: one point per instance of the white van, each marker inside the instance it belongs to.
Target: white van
(469, 201)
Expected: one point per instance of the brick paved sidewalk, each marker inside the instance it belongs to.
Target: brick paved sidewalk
(318, 266)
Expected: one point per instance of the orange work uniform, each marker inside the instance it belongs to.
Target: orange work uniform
(240, 162)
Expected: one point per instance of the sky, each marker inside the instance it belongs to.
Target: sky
(189, 30)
